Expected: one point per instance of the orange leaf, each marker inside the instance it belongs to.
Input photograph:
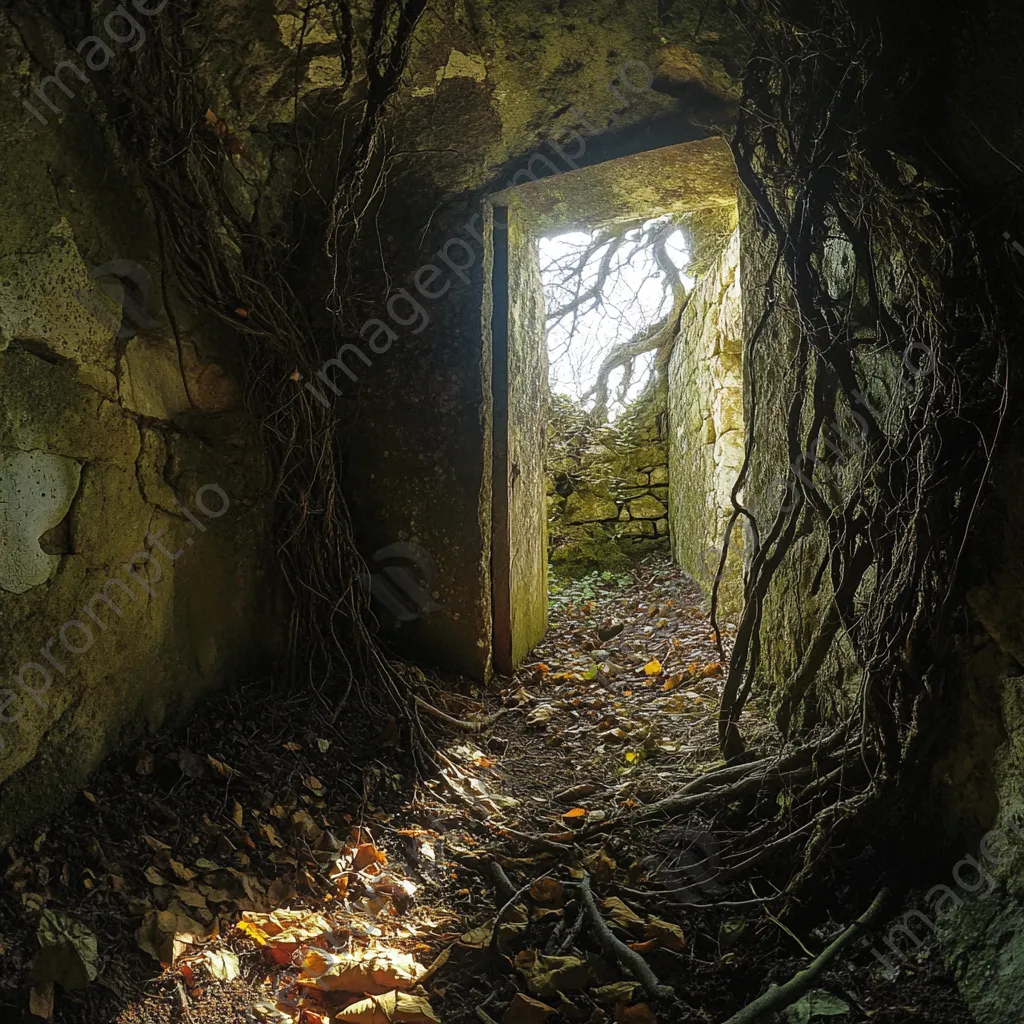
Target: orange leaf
(367, 854)
(576, 812)
(644, 947)
(640, 1013)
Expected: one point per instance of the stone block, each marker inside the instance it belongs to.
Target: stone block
(151, 382)
(647, 507)
(582, 507)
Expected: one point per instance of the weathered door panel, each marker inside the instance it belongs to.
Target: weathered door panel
(519, 567)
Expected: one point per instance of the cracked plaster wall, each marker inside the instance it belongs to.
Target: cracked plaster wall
(100, 436)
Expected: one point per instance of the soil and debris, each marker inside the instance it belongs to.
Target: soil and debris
(268, 865)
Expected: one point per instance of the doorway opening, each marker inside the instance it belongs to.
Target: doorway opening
(614, 297)
(617, 377)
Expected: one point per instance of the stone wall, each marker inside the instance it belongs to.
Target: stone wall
(607, 485)
(101, 435)
(120, 419)
(705, 425)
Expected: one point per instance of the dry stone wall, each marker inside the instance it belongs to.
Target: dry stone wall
(608, 487)
(705, 425)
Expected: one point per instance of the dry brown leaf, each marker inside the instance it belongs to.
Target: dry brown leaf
(541, 714)
(180, 871)
(283, 931)
(270, 834)
(570, 796)
(439, 961)
(387, 1007)
(645, 947)
(616, 992)
(670, 935)
(525, 1010)
(223, 964)
(165, 935)
(477, 938)
(223, 770)
(639, 1014)
(306, 826)
(369, 971)
(190, 897)
(154, 877)
(546, 975)
(216, 895)
(618, 913)
(601, 866)
(548, 891)
(280, 891)
(40, 1000)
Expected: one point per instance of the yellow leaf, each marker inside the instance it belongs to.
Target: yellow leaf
(631, 756)
(652, 668)
(672, 682)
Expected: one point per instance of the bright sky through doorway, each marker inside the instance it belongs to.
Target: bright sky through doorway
(634, 296)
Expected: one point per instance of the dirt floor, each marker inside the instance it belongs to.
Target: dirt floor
(267, 865)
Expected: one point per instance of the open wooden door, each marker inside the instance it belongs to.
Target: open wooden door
(519, 506)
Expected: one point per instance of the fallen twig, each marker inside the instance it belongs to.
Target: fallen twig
(781, 996)
(460, 723)
(538, 842)
(631, 960)
(502, 881)
(506, 890)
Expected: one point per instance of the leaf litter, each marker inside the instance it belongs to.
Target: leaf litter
(273, 866)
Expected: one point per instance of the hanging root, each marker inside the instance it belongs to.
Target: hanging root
(890, 408)
(246, 271)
